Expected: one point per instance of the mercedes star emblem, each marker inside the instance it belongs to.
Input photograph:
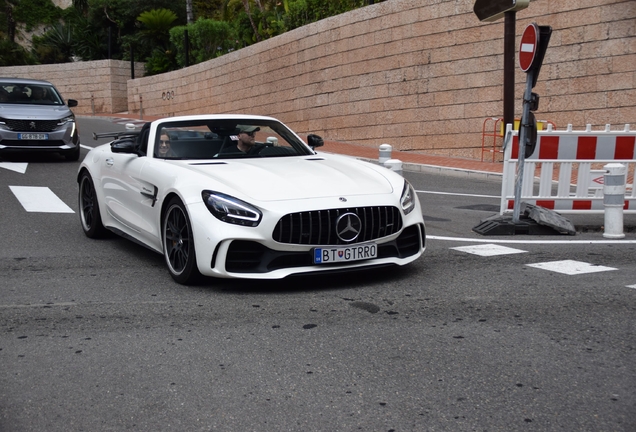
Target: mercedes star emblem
(348, 227)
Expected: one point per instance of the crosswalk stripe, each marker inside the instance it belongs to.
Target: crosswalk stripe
(19, 167)
(488, 250)
(567, 267)
(571, 267)
(39, 199)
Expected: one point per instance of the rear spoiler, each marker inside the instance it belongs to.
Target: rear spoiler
(129, 132)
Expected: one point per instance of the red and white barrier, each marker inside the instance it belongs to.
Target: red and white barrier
(565, 171)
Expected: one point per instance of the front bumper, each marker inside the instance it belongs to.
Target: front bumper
(252, 257)
(231, 251)
(63, 139)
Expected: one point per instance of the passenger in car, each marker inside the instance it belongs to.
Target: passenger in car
(164, 147)
(17, 94)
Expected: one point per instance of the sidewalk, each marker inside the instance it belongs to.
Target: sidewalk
(416, 161)
(411, 161)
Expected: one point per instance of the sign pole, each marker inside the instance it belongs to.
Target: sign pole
(534, 43)
(509, 69)
(523, 137)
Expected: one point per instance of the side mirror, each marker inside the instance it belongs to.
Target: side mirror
(314, 141)
(124, 145)
(71, 103)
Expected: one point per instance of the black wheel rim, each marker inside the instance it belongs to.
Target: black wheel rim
(88, 203)
(177, 238)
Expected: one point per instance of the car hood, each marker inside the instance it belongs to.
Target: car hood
(291, 178)
(33, 112)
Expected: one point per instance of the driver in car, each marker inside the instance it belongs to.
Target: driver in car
(246, 141)
(37, 94)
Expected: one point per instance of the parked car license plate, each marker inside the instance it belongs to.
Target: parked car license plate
(33, 136)
(345, 253)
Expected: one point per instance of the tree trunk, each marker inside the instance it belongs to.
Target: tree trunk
(10, 24)
(246, 5)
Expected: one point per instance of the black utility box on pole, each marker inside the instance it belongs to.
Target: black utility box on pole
(492, 10)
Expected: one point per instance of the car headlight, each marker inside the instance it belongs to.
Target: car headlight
(69, 119)
(231, 210)
(408, 198)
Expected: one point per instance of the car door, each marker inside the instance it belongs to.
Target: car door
(123, 193)
(155, 178)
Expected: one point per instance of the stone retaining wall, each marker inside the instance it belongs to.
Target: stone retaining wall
(417, 75)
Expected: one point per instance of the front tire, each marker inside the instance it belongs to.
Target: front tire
(178, 243)
(90, 216)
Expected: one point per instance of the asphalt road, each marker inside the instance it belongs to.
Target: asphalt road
(95, 335)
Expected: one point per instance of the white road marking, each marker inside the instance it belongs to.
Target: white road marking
(120, 120)
(631, 286)
(19, 167)
(488, 250)
(523, 240)
(458, 194)
(519, 240)
(571, 267)
(39, 199)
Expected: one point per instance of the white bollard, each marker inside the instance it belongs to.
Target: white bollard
(614, 200)
(385, 153)
(394, 165)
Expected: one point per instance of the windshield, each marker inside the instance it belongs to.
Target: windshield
(226, 139)
(34, 94)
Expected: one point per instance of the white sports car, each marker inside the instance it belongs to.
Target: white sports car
(244, 197)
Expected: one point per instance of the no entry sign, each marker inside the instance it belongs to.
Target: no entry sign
(528, 47)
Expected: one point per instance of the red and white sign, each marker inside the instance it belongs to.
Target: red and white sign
(528, 47)
(598, 180)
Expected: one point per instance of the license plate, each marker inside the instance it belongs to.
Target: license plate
(345, 253)
(33, 136)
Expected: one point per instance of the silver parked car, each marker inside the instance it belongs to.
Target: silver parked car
(34, 117)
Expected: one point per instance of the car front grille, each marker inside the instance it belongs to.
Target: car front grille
(245, 256)
(318, 227)
(31, 125)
